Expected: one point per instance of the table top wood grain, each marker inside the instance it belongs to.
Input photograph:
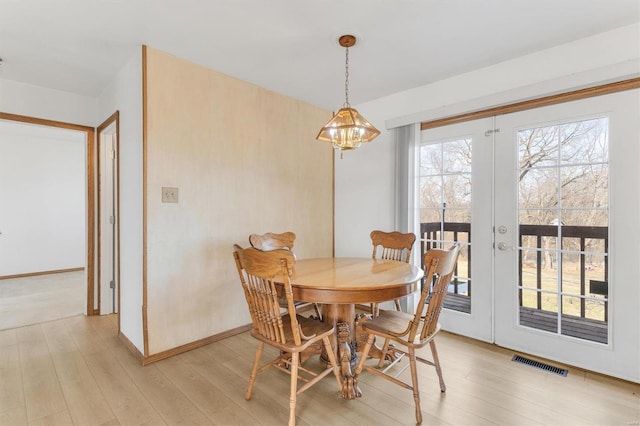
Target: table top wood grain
(351, 280)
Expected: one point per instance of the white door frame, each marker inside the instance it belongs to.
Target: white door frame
(108, 245)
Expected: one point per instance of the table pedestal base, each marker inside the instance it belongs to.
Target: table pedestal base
(342, 317)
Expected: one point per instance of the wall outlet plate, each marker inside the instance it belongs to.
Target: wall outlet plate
(169, 194)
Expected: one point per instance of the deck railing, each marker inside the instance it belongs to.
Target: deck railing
(581, 234)
(431, 234)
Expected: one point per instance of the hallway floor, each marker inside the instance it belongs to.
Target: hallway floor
(41, 298)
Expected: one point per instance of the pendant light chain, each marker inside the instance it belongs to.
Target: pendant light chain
(346, 77)
(347, 129)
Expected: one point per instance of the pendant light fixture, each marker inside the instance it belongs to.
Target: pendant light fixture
(347, 129)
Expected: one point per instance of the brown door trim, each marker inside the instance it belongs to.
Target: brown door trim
(90, 132)
(604, 89)
(114, 118)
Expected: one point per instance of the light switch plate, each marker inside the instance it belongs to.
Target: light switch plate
(169, 194)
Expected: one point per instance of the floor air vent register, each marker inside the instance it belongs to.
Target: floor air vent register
(540, 365)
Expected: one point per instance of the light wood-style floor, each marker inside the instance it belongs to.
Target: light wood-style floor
(76, 371)
(40, 298)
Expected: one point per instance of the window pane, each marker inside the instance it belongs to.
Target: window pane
(539, 217)
(529, 241)
(585, 186)
(529, 298)
(431, 192)
(457, 190)
(538, 147)
(585, 218)
(457, 156)
(538, 188)
(571, 305)
(584, 142)
(430, 159)
(595, 309)
(430, 216)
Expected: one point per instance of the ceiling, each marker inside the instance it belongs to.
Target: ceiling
(290, 46)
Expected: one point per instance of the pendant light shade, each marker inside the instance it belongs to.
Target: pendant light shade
(347, 129)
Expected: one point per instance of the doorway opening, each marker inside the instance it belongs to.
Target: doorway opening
(85, 136)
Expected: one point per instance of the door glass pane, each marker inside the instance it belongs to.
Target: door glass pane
(445, 210)
(563, 213)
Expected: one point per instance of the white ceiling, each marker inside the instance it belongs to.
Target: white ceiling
(290, 46)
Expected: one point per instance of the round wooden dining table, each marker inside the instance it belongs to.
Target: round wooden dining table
(339, 283)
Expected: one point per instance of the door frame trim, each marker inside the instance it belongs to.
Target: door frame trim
(114, 118)
(91, 196)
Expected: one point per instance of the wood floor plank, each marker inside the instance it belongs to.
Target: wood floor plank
(15, 416)
(62, 418)
(85, 336)
(210, 399)
(123, 396)
(8, 337)
(58, 337)
(12, 403)
(84, 398)
(205, 361)
(42, 392)
(170, 403)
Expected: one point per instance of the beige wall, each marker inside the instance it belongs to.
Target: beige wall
(245, 160)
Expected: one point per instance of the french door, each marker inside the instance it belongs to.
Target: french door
(553, 221)
(455, 199)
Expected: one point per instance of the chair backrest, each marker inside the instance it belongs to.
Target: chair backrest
(395, 245)
(272, 241)
(259, 272)
(440, 265)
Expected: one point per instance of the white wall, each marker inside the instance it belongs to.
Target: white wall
(364, 181)
(124, 94)
(42, 198)
(40, 102)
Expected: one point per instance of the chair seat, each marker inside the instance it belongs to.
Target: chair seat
(389, 323)
(309, 327)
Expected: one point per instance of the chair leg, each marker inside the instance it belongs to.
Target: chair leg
(332, 360)
(383, 354)
(364, 355)
(254, 371)
(294, 388)
(397, 303)
(317, 309)
(436, 362)
(414, 382)
(375, 310)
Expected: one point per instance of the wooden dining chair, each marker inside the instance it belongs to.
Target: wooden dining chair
(274, 241)
(391, 246)
(288, 332)
(413, 331)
